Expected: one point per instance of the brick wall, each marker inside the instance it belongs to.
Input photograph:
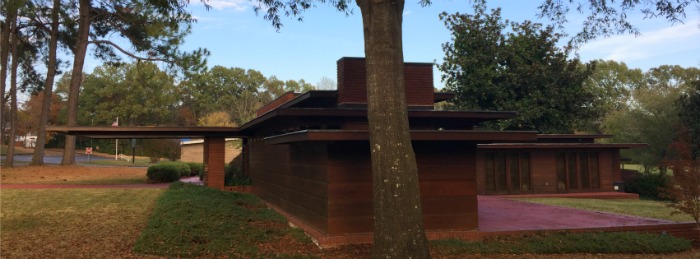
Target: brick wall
(285, 97)
(352, 83)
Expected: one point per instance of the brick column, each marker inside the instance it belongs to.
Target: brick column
(214, 156)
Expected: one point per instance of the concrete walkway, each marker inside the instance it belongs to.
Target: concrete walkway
(498, 214)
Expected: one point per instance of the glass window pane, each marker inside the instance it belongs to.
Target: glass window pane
(524, 172)
(514, 171)
(583, 170)
(501, 180)
(561, 172)
(571, 165)
(595, 175)
(490, 175)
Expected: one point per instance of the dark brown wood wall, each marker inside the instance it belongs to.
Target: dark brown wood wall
(293, 178)
(448, 187)
(352, 85)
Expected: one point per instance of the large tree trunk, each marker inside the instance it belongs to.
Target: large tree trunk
(76, 79)
(10, 158)
(398, 221)
(38, 157)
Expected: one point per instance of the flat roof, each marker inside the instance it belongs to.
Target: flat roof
(416, 135)
(147, 132)
(560, 145)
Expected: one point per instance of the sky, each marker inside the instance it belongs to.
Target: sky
(309, 49)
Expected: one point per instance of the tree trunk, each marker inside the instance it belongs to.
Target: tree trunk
(76, 79)
(38, 157)
(398, 218)
(4, 54)
(10, 158)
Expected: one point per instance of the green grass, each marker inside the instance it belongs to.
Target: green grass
(566, 243)
(104, 181)
(195, 221)
(140, 162)
(640, 208)
(73, 223)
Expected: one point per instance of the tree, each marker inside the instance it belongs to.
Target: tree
(650, 114)
(154, 29)
(522, 70)
(326, 83)
(398, 228)
(684, 186)
(140, 94)
(219, 119)
(38, 156)
(612, 84)
(689, 112)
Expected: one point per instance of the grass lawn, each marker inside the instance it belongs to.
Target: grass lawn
(72, 175)
(640, 208)
(73, 223)
(140, 162)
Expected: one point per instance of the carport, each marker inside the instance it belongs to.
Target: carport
(214, 140)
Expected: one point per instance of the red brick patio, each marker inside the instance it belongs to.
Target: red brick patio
(499, 214)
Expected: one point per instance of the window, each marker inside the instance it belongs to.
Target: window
(507, 172)
(577, 171)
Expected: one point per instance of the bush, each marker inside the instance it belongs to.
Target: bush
(163, 173)
(647, 185)
(196, 168)
(234, 175)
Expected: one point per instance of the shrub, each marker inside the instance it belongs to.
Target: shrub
(195, 168)
(163, 173)
(234, 175)
(647, 185)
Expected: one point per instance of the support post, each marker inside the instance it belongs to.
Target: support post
(214, 156)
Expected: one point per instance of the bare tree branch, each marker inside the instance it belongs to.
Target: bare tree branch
(126, 52)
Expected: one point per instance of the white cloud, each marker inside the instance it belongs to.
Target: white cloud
(676, 39)
(235, 5)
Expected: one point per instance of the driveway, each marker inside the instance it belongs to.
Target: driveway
(498, 214)
(56, 159)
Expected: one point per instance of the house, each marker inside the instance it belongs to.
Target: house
(308, 157)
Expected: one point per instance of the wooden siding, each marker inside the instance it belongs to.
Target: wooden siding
(292, 177)
(352, 84)
(447, 186)
(328, 185)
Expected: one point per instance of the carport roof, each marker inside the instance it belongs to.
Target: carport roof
(148, 132)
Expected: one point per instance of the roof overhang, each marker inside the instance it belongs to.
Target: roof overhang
(561, 146)
(148, 132)
(416, 135)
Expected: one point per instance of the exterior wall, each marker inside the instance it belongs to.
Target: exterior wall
(328, 185)
(543, 170)
(194, 152)
(352, 85)
(292, 178)
(214, 162)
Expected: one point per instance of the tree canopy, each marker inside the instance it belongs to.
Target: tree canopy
(493, 64)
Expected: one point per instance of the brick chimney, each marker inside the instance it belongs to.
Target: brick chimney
(352, 84)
